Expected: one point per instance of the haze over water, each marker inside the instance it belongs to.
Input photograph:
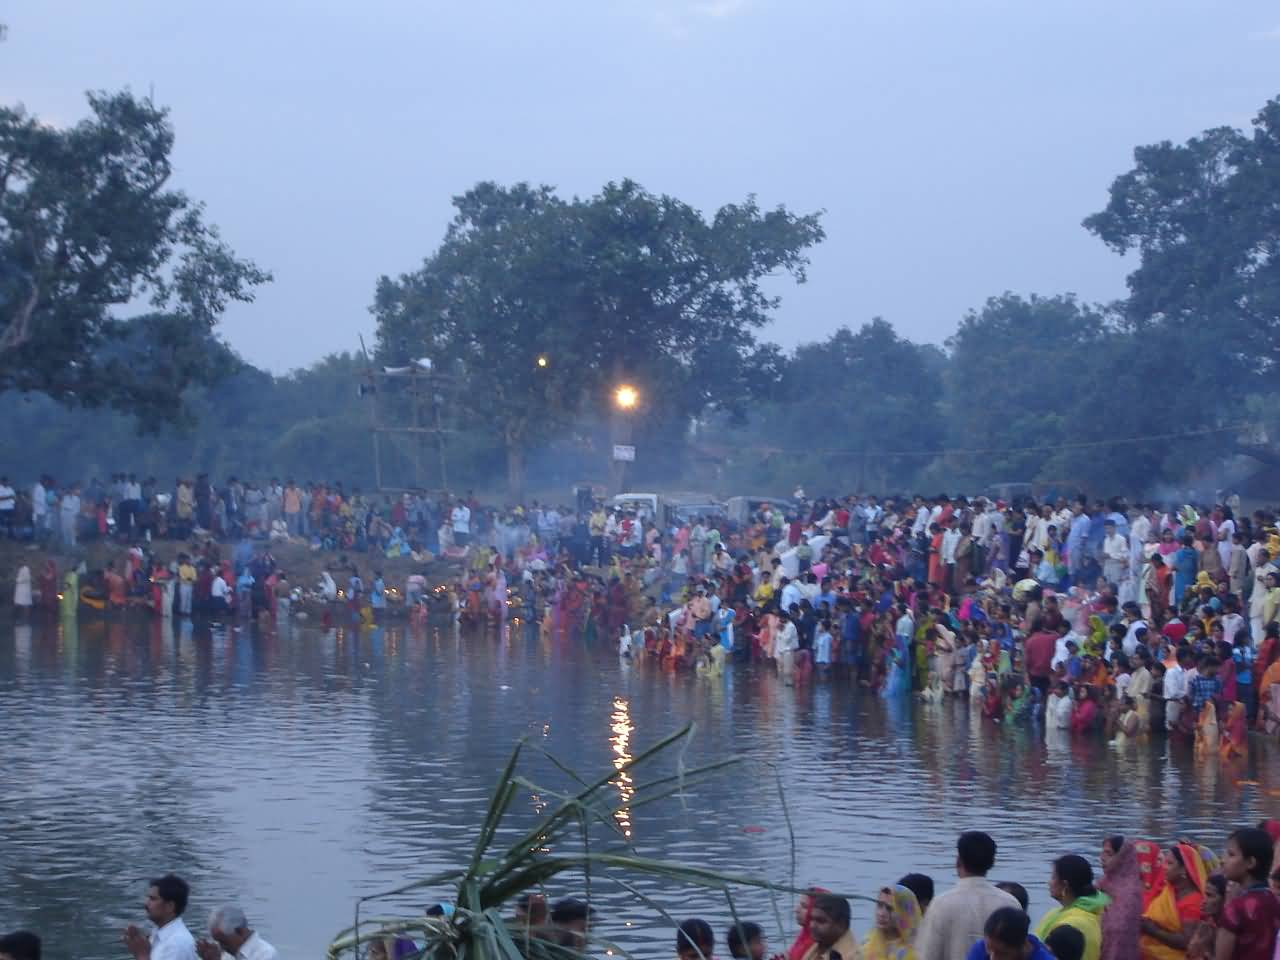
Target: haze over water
(295, 770)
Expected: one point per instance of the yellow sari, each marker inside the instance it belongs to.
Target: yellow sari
(1163, 909)
(906, 918)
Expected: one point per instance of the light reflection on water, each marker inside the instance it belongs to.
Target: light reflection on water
(294, 770)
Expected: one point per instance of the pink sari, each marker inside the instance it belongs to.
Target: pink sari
(1121, 921)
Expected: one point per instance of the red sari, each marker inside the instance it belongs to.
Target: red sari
(936, 575)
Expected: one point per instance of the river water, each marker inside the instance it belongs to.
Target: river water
(292, 771)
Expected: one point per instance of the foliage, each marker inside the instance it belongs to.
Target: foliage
(622, 285)
(88, 229)
(846, 406)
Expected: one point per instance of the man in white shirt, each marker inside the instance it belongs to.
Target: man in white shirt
(921, 522)
(69, 516)
(1262, 566)
(785, 645)
(460, 519)
(1175, 689)
(219, 590)
(950, 537)
(1115, 554)
(170, 940)
(1139, 534)
(955, 920)
(230, 932)
(1133, 623)
(790, 595)
(39, 510)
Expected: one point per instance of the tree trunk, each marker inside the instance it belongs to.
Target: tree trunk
(515, 468)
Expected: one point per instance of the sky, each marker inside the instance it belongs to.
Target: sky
(955, 145)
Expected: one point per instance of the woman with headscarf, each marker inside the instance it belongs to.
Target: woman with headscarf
(898, 918)
(1150, 868)
(1122, 882)
(1170, 920)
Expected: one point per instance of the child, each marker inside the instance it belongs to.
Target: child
(1247, 928)
(1058, 712)
(822, 648)
(1075, 666)
(694, 940)
(746, 941)
(1215, 894)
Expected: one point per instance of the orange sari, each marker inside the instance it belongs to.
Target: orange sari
(1170, 913)
(1234, 739)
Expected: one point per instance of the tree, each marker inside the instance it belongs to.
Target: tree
(624, 284)
(845, 407)
(1204, 298)
(89, 231)
(1022, 374)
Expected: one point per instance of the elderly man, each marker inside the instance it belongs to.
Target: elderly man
(231, 934)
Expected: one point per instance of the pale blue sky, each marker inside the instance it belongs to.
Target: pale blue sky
(955, 144)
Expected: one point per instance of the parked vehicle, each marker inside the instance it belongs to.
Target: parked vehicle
(738, 510)
(668, 508)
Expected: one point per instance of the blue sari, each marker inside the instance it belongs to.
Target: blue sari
(896, 680)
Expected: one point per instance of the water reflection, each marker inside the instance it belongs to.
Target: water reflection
(295, 769)
(621, 741)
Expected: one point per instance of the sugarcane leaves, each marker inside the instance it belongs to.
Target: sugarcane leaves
(559, 844)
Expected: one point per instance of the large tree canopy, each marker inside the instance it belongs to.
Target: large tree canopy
(621, 285)
(111, 283)
(1204, 299)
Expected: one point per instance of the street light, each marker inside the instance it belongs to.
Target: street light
(626, 397)
(542, 359)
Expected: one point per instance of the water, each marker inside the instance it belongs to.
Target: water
(293, 771)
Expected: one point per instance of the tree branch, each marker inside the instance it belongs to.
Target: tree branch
(18, 330)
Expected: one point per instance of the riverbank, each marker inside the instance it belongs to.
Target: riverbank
(298, 560)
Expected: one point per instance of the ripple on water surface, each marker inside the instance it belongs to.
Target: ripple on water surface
(293, 771)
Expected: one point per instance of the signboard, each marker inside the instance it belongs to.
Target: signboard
(624, 453)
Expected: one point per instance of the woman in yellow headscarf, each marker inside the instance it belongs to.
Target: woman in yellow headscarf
(897, 921)
(1170, 920)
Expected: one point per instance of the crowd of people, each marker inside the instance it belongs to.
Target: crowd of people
(1179, 901)
(1084, 616)
(324, 515)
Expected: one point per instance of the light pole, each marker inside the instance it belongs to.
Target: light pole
(626, 399)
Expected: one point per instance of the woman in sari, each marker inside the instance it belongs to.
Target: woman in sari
(1150, 868)
(897, 679)
(944, 647)
(1170, 920)
(923, 648)
(1207, 737)
(936, 568)
(1084, 719)
(1269, 699)
(1122, 882)
(768, 629)
(1234, 740)
(1268, 653)
(898, 918)
(48, 584)
(1160, 581)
